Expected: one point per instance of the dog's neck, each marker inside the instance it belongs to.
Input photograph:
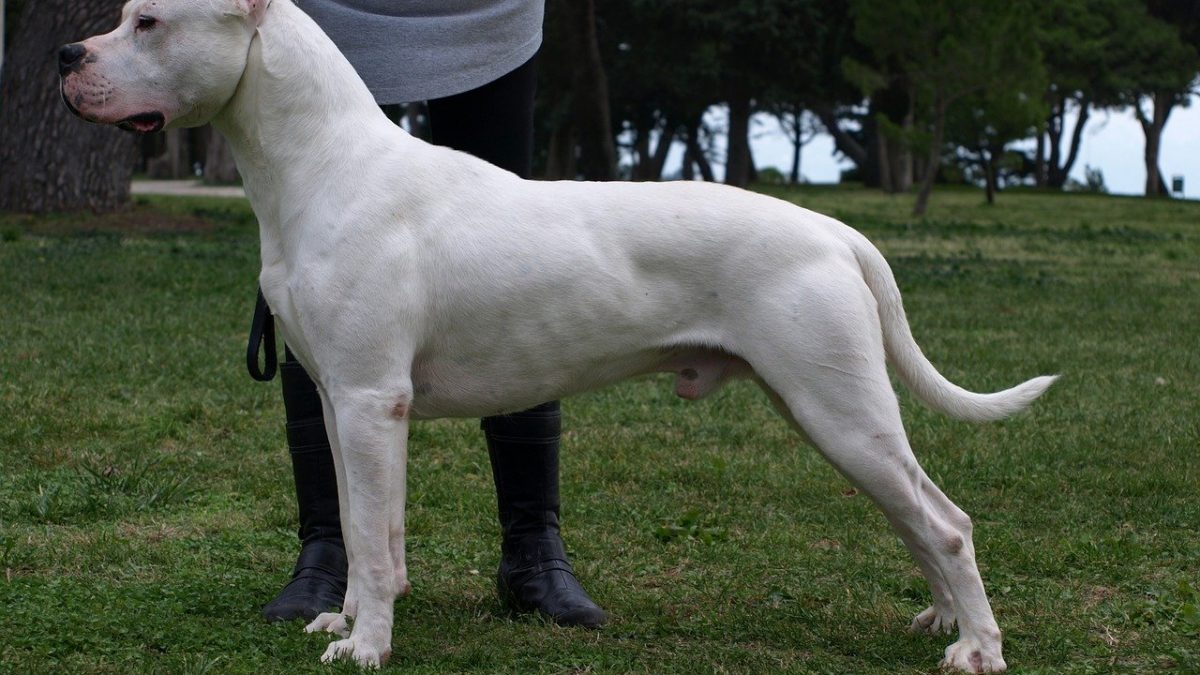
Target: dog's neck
(300, 114)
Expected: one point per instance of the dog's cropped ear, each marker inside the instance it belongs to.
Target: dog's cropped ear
(254, 9)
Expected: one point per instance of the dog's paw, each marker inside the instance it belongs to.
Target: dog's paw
(330, 622)
(971, 656)
(933, 622)
(358, 650)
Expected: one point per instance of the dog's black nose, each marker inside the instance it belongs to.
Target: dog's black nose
(70, 57)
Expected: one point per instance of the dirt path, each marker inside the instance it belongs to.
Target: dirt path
(186, 188)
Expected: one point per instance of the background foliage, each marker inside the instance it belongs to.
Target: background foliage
(913, 92)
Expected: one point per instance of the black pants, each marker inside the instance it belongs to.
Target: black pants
(493, 122)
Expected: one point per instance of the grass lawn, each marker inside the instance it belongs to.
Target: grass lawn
(146, 511)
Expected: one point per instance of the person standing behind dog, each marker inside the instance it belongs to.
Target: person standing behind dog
(473, 61)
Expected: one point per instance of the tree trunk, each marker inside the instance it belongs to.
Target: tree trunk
(560, 154)
(895, 157)
(795, 134)
(1153, 126)
(989, 173)
(1039, 160)
(650, 162)
(219, 167)
(1058, 172)
(665, 139)
(1054, 131)
(1077, 137)
(895, 161)
(883, 161)
(589, 85)
(641, 148)
(177, 153)
(706, 171)
(173, 161)
(797, 145)
(417, 116)
(892, 115)
(694, 155)
(737, 162)
(52, 160)
(902, 154)
(901, 157)
(843, 141)
(933, 160)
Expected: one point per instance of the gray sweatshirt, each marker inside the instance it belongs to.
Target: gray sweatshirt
(413, 50)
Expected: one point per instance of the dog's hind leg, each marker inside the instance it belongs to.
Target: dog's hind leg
(831, 379)
(939, 617)
(872, 451)
(373, 440)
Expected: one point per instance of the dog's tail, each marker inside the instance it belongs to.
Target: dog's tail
(917, 373)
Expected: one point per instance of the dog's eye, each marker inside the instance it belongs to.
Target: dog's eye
(146, 22)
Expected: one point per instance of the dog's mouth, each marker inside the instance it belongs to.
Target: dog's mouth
(143, 123)
(70, 106)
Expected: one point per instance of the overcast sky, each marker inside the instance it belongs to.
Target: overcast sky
(1112, 142)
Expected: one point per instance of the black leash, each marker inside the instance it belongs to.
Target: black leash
(262, 334)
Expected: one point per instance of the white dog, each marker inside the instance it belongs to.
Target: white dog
(415, 282)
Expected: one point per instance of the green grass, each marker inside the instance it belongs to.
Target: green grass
(146, 510)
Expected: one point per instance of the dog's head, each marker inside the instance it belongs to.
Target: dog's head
(170, 63)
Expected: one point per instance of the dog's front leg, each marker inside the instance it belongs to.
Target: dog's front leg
(372, 431)
(336, 622)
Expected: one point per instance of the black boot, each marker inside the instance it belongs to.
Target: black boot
(534, 573)
(319, 579)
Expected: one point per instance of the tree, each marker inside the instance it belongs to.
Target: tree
(219, 166)
(811, 80)
(1163, 61)
(664, 76)
(54, 161)
(672, 59)
(581, 140)
(1110, 53)
(3, 10)
(1079, 40)
(945, 51)
(831, 96)
(9, 11)
(853, 147)
(986, 122)
(758, 43)
(800, 128)
(695, 155)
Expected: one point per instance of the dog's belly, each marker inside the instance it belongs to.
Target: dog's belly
(466, 387)
(477, 388)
